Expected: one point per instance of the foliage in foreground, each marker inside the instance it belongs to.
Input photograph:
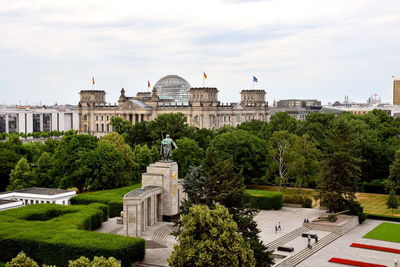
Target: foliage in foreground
(218, 183)
(209, 238)
(40, 230)
(264, 200)
(112, 198)
(22, 260)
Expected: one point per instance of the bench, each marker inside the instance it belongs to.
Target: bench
(287, 249)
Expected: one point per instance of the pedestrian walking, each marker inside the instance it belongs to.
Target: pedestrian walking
(279, 226)
(309, 241)
(276, 229)
(316, 238)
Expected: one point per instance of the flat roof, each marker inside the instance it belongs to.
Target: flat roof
(138, 192)
(40, 191)
(6, 201)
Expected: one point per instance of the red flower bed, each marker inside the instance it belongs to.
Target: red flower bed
(355, 263)
(386, 249)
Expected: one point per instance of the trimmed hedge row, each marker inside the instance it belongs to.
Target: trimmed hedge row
(264, 200)
(112, 198)
(383, 217)
(305, 202)
(54, 234)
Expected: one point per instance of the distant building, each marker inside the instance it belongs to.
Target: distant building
(396, 91)
(391, 110)
(171, 94)
(298, 103)
(27, 119)
(37, 195)
(297, 108)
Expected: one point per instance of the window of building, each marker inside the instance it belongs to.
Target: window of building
(102, 128)
(85, 117)
(97, 127)
(108, 128)
(85, 128)
(101, 117)
(97, 118)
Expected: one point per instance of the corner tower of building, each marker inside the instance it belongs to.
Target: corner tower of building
(396, 91)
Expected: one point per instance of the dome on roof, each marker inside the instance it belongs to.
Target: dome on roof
(174, 88)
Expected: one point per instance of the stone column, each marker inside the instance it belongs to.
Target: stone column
(41, 122)
(7, 124)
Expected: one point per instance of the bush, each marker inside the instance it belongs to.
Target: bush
(305, 202)
(375, 186)
(383, 217)
(264, 200)
(21, 260)
(112, 198)
(66, 234)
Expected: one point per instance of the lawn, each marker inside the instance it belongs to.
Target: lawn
(372, 203)
(386, 232)
(2, 264)
(375, 204)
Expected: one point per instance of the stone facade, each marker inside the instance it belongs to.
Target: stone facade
(203, 110)
(160, 196)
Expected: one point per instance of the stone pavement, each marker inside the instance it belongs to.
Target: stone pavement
(290, 219)
(340, 248)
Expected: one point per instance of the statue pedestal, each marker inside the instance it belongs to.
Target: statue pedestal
(165, 174)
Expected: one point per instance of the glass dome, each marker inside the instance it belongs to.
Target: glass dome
(174, 88)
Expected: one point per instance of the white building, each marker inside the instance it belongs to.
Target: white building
(26, 119)
(6, 204)
(37, 195)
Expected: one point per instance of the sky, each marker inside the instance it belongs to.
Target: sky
(307, 49)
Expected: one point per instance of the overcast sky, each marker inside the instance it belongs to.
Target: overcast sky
(323, 49)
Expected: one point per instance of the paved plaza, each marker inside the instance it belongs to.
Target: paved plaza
(290, 219)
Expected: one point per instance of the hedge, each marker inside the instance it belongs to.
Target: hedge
(112, 198)
(383, 217)
(54, 234)
(305, 202)
(264, 200)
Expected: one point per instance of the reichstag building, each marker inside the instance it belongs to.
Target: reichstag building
(171, 94)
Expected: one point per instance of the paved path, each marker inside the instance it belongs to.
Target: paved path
(341, 248)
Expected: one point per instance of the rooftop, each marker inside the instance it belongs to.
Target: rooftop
(40, 191)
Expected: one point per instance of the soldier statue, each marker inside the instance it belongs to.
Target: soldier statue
(166, 148)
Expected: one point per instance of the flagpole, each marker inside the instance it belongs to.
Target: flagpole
(203, 79)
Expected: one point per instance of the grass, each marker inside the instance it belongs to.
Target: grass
(372, 203)
(287, 191)
(386, 232)
(261, 193)
(2, 264)
(376, 204)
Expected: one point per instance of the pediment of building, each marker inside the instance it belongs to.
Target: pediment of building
(129, 105)
(238, 107)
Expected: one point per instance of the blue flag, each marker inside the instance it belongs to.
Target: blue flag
(255, 79)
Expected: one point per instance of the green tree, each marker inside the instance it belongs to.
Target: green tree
(392, 202)
(210, 238)
(281, 143)
(67, 160)
(42, 176)
(143, 157)
(101, 168)
(21, 176)
(340, 171)
(120, 125)
(256, 127)
(217, 182)
(394, 177)
(187, 154)
(174, 124)
(282, 121)
(317, 126)
(8, 160)
(247, 152)
(204, 137)
(118, 142)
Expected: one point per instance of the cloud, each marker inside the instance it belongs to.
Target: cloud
(304, 49)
